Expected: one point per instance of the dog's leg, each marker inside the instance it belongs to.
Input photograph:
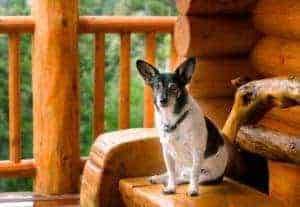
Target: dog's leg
(170, 165)
(195, 172)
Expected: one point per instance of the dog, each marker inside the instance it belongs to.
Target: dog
(194, 149)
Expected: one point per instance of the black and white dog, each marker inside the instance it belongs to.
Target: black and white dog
(193, 148)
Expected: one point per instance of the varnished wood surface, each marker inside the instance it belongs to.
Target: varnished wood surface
(200, 7)
(139, 192)
(285, 182)
(28, 199)
(55, 88)
(278, 17)
(213, 36)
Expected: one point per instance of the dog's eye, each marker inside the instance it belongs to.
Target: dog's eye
(157, 85)
(172, 87)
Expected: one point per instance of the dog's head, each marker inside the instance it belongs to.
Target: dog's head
(167, 87)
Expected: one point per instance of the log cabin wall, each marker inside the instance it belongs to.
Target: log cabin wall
(232, 38)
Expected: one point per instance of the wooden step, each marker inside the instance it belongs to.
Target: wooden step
(139, 192)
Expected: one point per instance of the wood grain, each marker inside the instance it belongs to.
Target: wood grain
(285, 182)
(125, 153)
(14, 89)
(139, 192)
(273, 56)
(278, 18)
(270, 144)
(212, 76)
(150, 49)
(99, 85)
(200, 7)
(56, 97)
(213, 36)
(124, 82)
(24, 168)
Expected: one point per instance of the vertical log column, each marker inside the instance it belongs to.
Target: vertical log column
(56, 96)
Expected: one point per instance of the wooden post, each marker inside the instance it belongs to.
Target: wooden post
(99, 80)
(56, 97)
(150, 46)
(14, 98)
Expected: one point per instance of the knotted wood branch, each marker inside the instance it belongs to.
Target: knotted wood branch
(269, 143)
(254, 99)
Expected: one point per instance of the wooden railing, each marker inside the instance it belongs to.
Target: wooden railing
(98, 26)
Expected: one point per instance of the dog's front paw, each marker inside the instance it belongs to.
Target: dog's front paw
(169, 190)
(193, 191)
(158, 179)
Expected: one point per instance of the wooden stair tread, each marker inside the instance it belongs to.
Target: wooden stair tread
(139, 192)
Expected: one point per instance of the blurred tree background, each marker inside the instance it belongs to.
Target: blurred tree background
(86, 47)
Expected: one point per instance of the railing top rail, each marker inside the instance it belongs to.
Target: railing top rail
(92, 24)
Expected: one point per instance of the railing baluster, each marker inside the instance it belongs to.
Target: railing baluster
(99, 81)
(148, 98)
(124, 81)
(174, 55)
(14, 98)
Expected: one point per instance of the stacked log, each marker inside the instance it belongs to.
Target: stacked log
(221, 35)
(277, 54)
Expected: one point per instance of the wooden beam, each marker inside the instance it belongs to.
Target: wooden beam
(213, 36)
(14, 98)
(18, 24)
(126, 24)
(150, 48)
(270, 144)
(124, 82)
(285, 55)
(198, 7)
(24, 168)
(99, 85)
(56, 97)
(212, 76)
(278, 18)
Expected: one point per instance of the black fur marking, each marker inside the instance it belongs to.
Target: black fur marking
(181, 101)
(214, 139)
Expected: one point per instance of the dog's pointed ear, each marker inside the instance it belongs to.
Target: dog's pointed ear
(147, 71)
(185, 71)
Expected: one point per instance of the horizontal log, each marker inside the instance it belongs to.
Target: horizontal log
(213, 36)
(25, 168)
(274, 56)
(93, 24)
(198, 7)
(212, 76)
(277, 17)
(217, 109)
(284, 120)
(269, 143)
(22, 24)
(120, 24)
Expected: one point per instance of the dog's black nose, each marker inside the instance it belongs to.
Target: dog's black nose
(163, 101)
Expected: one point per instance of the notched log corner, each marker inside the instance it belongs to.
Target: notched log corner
(255, 98)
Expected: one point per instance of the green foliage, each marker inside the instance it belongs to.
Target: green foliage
(86, 48)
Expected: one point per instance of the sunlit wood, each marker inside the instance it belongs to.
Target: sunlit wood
(150, 48)
(124, 82)
(14, 98)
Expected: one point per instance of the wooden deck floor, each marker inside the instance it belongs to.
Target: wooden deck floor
(30, 200)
